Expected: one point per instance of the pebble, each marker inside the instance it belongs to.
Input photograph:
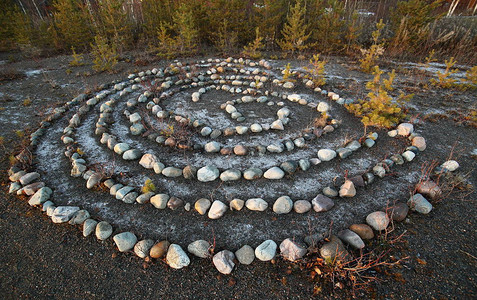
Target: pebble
(159, 201)
(351, 238)
(304, 164)
(206, 131)
(199, 248)
(266, 251)
(353, 146)
(89, 226)
(176, 258)
(277, 125)
(29, 178)
(143, 198)
(288, 85)
(430, 189)
(79, 217)
(450, 165)
(322, 203)
(202, 205)
(231, 175)
(217, 209)
(208, 173)
(63, 214)
(174, 203)
(326, 154)
(323, 107)
(369, 143)
(189, 172)
(236, 204)
(283, 205)
(256, 204)
(103, 230)
(148, 160)
(408, 155)
(364, 231)
(143, 247)
(94, 180)
(159, 250)
(245, 255)
(274, 173)
(41, 196)
(252, 173)
(405, 129)
(334, 250)
(301, 206)
(347, 189)
(292, 250)
(344, 152)
(172, 172)
(283, 112)
(132, 154)
(241, 129)
(256, 128)
(378, 220)
(275, 148)
(212, 147)
(420, 204)
(120, 148)
(330, 192)
(122, 192)
(224, 261)
(137, 129)
(240, 150)
(125, 241)
(398, 212)
(419, 142)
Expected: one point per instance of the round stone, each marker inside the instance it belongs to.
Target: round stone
(323, 107)
(256, 204)
(202, 205)
(176, 258)
(256, 128)
(283, 205)
(172, 172)
(199, 248)
(301, 206)
(252, 173)
(125, 241)
(159, 250)
(347, 189)
(120, 148)
(224, 261)
(132, 154)
(143, 247)
(351, 238)
(208, 173)
(159, 201)
(450, 165)
(405, 129)
(266, 251)
(420, 204)
(378, 220)
(212, 147)
(419, 142)
(231, 175)
(103, 230)
(322, 203)
(326, 154)
(245, 255)
(240, 150)
(217, 209)
(274, 173)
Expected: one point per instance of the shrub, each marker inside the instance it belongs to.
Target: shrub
(295, 32)
(317, 70)
(187, 33)
(380, 109)
(444, 79)
(77, 59)
(471, 75)
(376, 49)
(113, 23)
(104, 54)
(252, 50)
(148, 186)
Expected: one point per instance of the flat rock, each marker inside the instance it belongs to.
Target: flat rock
(172, 172)
(132, 154)
(274, 173)
(405, 129)
(212, 147)
(266, 251)
(252, 174)
(159, 250)
(283, 205)
(176, 258)
(32, 188)
(217, 209)
(208, 173)
(351, 238)
(103, 230)
(245, 255)
(143, 247)
(256, 204)
(63, 213)
(29, 178)
(148, 160)
(378, 220)
(364, 231)
(144, 198)
(41, 196)
(159, 201)
(199, 248)
(321, 203)
(420, 204)
(125, 241)
(430, 189)
(122, 192)
(224, 261)
(231, 175)
(89, 226)
(292, 250)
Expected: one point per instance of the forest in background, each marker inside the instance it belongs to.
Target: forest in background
(168, 28)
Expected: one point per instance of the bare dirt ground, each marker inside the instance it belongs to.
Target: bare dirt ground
(44, 260)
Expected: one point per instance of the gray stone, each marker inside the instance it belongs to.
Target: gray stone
(283, 112)
(103, 230)
(420, 204)
(148, 160)
(202, 205)
(369, 143)
(266, 251)
(353, 146)
(132, 154)
(158, 167)
(125, 241)
(292, 250)
(256, 128)
(216, 133)
(408, 155)
(323, 107)
(277, 125)
(450, 166)
(224, 261)
(252, 174)
(304, 164)
(322, 203)
(364, 231)
(14, 186)
(334, 250)
(172, 172)
(115, 188)
(143, 247)
(130, 197)
(29, 178)
(274, 173)
(32, 188)
(135, 117)
(199, 248)
(288, 85)
(120, 148)
(79, 217)
(89, 226)
(289, 166)
(176, 258)
(63, 214)
(256, 204)
(344, 152)
(143, 198)
(16, 176)
(41, 196)
(330, 191)
(241, 129)
(379, 170)
(46, 205)
(217, 209)
(122, 192)
(137, 129)
(208, 173)
(301, 206)
(326, 154)
(212, 147)
(245, 255)
(378, 220)
(50, 210)
(275, 148)
(231, 175)
(206, 131)
(283, 205)
(351, 238)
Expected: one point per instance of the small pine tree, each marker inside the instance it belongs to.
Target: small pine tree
(376, 49)
(317, 70)
(252, 50)
(166, 45)
(444, 79)
(295, 32)
(187, 33)
(104, 54)
(225, 40)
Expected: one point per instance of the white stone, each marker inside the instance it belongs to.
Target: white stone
(224, 261)
(326, 154)
(274, 173)
(125, 241)
(266, 251)
(450, 165)
(283, 205)
(63, 214)
(217, 209)
(405, 129)
(256, 204)
(292, 250)
(176, 258)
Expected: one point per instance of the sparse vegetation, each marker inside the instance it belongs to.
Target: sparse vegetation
(317, 70)
(444, 79)
(77, 59)
(253, 49)
(376, 49)
(104, 54)
(148, 186)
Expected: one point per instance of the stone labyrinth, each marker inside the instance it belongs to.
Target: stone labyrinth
(222, 159)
